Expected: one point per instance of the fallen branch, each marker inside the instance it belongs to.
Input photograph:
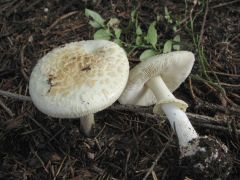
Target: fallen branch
(202, 121)
(196, 119)
(15, 96)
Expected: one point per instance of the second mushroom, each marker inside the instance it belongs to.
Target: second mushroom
(152, 82)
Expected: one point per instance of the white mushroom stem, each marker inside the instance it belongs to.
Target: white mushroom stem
(177, 118)
(87, 123)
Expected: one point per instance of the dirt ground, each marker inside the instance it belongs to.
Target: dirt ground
(126, 140)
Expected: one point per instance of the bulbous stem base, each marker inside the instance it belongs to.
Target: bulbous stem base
(208, 158)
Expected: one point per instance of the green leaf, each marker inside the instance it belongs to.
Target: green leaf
(176, 47)
(167, 46)
(96, 17)
(152, 34)
(175, 28)
(177, 39)
(117, 32)
(118, 41)
(147, 54)
(94, 24)
(159, 18)
(102, 34)
(167, 15)
(139, 30)
(138, 40)
(133, 15)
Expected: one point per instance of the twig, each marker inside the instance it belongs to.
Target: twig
(22, 64)
(48, 134)
(224, 74)
(97, 142)
(203, 23)
(225, 4)
(54, 136)
(9, 111)
(39, 125)
(230, 85)
(15, 96)
(40, 159)
(216, 107)
(126, 164)
(59, 169)
(235, 95)
(60, 19)
(191, 90)
(156, 160)
(32, 5)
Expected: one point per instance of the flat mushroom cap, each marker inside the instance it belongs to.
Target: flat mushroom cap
(79, 78)
(173, 67)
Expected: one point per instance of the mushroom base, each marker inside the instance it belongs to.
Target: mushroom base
(211, 159)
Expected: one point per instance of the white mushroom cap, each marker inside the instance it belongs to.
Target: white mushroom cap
(79, 78)
(173, 67)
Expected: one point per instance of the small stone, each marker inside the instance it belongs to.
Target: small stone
(45, 10)
(30, 39)
(91, 155)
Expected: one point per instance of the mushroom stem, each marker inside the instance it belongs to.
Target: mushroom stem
(86, 123)
(177, 118)
(180, 122)
(159, 88)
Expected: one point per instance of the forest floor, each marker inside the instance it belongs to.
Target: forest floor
(126, 140)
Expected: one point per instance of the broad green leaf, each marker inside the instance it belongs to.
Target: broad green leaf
(176, 38)
(94, 24)
(176, 47)
(138, 40)
(152, 34)
(102, 34)
(166, 12)
(96, 17)
(147, 54)
(139, 30)
(118, 41)
(117, 32)
(176, 41)
(167, 46)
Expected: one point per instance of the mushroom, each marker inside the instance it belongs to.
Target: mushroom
(152, 82)
(79, 79)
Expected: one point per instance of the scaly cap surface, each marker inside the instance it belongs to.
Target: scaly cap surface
(79, 78)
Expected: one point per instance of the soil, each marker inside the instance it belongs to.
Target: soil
(210, 160)
(126, 141)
